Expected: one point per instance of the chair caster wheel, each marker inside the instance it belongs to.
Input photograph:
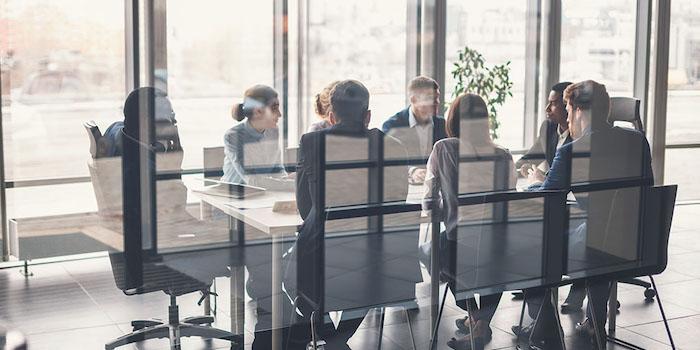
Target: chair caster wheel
(649, 294)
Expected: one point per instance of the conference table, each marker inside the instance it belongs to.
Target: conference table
(279, 226)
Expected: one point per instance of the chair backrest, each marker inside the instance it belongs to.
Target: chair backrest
(626, 109)
(94, 135)
(662, 204)
(213, 161)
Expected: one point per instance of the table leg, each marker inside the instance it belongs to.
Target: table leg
(434, 276)
(237, 299)
(612, 309)
(277, 297)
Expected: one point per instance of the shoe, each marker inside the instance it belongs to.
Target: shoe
(465, 344)
(522, 332)
(461, 324)
(585, 329)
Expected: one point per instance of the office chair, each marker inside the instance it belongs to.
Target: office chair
(157, 276)
(661, 200)
(626, 109)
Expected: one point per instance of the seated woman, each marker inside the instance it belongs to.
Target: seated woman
(468, 134)
(322, 105)
(252, 148)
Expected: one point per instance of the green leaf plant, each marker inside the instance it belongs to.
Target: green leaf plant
(493, 84)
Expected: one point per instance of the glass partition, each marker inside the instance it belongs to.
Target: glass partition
(597, 42)
(62, 65)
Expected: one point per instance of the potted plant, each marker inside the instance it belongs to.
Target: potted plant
(493, 84)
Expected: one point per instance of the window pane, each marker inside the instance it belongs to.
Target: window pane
(62, 65)
(358, 40)
(683, 74)
(497, 30)
(597, 42)
(215, 51)
(678, 172)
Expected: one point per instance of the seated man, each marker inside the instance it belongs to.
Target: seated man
(348, 139)
(599, 152)
(418, 126)
(554, 132)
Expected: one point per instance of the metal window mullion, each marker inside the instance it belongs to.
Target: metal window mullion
(642, 56)
(131, 44)
(413, 40)
(433, 31)
(659, 94)
(280, 60)
(551, 48)
(3, 189)
(533, 45)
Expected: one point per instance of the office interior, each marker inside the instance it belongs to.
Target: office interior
(108, 246)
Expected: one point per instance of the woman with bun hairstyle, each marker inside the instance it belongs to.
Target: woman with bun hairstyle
(253, 154)
(322, 106)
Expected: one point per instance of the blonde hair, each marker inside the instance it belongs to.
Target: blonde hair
(322, 102)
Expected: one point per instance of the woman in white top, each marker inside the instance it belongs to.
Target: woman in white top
(252, 147)
(487, 167)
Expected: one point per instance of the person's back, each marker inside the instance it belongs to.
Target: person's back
(356, 251)
(484, 168)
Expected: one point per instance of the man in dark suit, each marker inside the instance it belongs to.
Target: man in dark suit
(599, 152)
(554, 132)
(418, 126)
(347, 140)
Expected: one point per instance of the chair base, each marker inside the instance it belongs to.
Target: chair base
(649, 292)
(174, 330)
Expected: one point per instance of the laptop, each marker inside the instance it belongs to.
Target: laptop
(228, 189)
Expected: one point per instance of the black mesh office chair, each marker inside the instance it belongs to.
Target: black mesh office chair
(156, 274)
(627, 110)
(660, 203)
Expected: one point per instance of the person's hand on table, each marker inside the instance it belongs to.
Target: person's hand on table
(417, 176)
(535, 175)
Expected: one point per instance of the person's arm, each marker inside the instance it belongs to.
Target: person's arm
(431, 185)
(304, 178)
(233, 171)
(536, 154)
(559, 175)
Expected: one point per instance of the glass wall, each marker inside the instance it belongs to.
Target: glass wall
(497, 30)
(597, 42)
(356, 40)
(215, 51)
(683, 96)
(62, 65)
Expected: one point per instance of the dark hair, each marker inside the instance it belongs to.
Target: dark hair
(349, 101)
(467, 106)
(560, 87)
(322, 102)
(255, 97)
(161, 104)
(422, 82)
(155, 101)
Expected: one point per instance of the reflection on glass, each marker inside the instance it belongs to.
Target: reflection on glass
(597, 42)
(358, 40)
(497, 29)
(683, 78)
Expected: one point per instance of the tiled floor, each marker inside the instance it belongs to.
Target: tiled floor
(75, 305)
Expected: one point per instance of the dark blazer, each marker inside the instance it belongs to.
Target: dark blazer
(613, 153)
(346, 187)
(398, 123)
(545, 147)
